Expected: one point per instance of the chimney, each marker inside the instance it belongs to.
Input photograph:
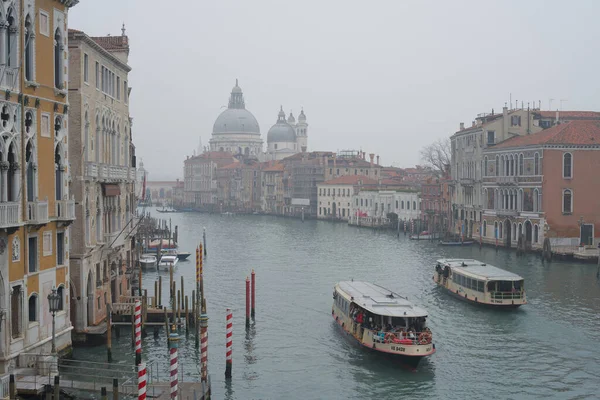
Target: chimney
(473, 124)
(334, 163)
(304, 149)
(492, 111)
(557, 116)
(462, 126)
(378, 159)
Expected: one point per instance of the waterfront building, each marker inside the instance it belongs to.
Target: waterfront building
(36, 207)
(352, 163)
(544, 185)
(335, 195)
(372, 207)
(104, 174)
(272, 187)
(467, 146)
(177, 199)
(200, 179)
(236, 130)
(287, 138)
(432, 206)
(160, 192)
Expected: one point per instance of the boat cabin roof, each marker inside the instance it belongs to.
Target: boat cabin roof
(168, 259)
(480, 270)
(378, 300)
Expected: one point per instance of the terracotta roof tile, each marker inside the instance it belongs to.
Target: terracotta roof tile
(570, 114)
(111, 43)
(351, 180)
(577, 132)
(277, 167)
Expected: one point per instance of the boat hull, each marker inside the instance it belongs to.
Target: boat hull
(477, 301)
(406, 355)
(465, 243)
(183, 256)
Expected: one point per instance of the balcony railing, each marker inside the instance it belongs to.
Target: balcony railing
(65, 210)
(10, 214)
(109, 172)
(37, 212)
(115, 239)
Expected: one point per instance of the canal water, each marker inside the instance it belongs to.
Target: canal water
(546, 349)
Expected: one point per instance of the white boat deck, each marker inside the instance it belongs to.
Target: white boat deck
(378, 300)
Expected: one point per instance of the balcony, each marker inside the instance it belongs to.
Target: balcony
(467, 181)
(115, 239)
(506, 180)
(37, 212)
(10, 214)
(65, 210)
(109, 172)
(10, 77)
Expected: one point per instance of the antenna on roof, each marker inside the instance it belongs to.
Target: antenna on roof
(550, 104)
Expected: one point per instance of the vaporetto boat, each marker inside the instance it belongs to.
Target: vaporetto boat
(382, 321)
(481, 283)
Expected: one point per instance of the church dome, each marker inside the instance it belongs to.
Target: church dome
(236, 119)
(281, 131)
(302, 116)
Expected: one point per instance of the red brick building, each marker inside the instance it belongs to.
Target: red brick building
(544, 185)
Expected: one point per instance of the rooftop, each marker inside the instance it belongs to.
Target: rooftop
(276, 167)
(478, 269)
(379, 300)
(577, 132)
(570, 114)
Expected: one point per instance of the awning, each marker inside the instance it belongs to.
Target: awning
(111, 190)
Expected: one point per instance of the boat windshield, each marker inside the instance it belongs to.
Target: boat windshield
(506, 289)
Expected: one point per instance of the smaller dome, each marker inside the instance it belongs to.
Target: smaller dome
(236, 88)
(302, 116)
(291, 119)
(281, 131)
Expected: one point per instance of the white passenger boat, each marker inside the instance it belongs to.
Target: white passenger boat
(382, 321)
(480, 283)
(166, 261)
(425, 235)
(148, 261)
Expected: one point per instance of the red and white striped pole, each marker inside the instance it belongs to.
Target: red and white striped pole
(203, 347)
(141, 368)
(138, 332)
(173, 345)
(228, 344)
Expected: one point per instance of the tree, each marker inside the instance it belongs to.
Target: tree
(437, 155)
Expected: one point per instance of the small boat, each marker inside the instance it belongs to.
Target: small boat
(480, 283)
(425, 235)
(183, 255)
(148, 261)
(382, 321)
(165, 210)
(456, 242)
(167, 261)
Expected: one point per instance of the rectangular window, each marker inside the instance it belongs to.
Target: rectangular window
(85, 68)
(103, 77)
(97, 75)
(45, 125)
(32, 252)
(491, 137)
(15, 311)
(118, 88)
(125, 93)
(44, 23)
(47, 243)
(60, 248)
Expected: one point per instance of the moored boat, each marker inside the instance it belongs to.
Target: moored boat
(456, 243)
(425, 235)
(481, 283)
(382, 321)
(183, 255)
(148, 261)
(167, 261)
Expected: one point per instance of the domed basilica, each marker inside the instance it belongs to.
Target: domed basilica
(237, 131)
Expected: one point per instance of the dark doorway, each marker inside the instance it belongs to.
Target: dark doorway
(333, 210)
(507, 233)
(528, 233)
(587, 234)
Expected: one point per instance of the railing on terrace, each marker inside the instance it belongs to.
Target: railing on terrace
(109, 171)
(65, 210)
(10, 214)
(4, 386)
(37, 212)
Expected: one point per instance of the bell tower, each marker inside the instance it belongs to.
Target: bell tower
(302, 131)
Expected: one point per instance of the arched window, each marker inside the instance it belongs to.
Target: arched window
(58, 59)
(485, 228)
(503, 162)
(535, 200)
(61, 297)
(567, 201)
(535, 234)
(485, 165)
(496, 229)
(402, 204)
(536, 164)
(11, 39)
(567, 165)
(414, 205)
(520, 164)
(33, 308)
(514, 232)
(29, 49)
(497, 166)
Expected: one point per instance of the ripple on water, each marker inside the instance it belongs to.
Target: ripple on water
(547, 349)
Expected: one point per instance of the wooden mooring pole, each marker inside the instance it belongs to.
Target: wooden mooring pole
(253, 284)
(187, 316)
(115, 389)
(108, 332)
(159, 291)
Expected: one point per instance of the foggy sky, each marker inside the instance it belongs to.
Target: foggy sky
(385, 76)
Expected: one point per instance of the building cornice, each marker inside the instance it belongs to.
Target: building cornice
(69, 3)
(82, 37)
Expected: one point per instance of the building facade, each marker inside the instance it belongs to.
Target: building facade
(335, 195)
(200, 190)
(372, 207)
(104, 166)
(273, 188)
(544, 185)
(35, 201)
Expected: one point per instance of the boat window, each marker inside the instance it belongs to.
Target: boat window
(518, 285)
(480, 286)
(491, 286)
(504, 286)
(469, 283)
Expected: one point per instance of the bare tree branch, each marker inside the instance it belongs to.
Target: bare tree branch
(437, 155)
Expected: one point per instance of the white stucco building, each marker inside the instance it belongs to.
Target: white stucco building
(379, 203)
(334, 197)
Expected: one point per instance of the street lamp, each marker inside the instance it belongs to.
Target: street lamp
(54, 302)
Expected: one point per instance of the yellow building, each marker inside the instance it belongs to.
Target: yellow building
(35, 206)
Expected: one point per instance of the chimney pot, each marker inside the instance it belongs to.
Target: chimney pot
(462, 126)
